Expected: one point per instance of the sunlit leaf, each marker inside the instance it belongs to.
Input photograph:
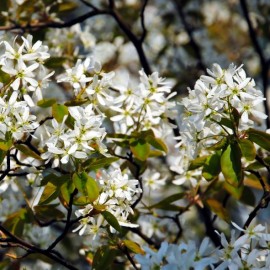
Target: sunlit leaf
(104, 257)
(55, 62)
(259, 137)
(93, 164)
(248, 149)
(111, 219)
(166, 203)
(134, 247)
(231, 165)
(59, 111)
(218, 209)
(27, 151)
(211, 167)
(86, 185)
(49, 194)
(140, 149)
(197, 162)
(45, 103)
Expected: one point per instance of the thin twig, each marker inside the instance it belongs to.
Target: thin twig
(259, 51)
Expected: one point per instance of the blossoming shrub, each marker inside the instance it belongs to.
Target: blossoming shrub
(104, 169)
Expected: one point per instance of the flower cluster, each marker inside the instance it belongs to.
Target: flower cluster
(68, 143)
(216, 98)
(24, 65)
(249, 251)
(145, 107)
(138, 109)
(15, 118)
(222, 103)
(117, 193)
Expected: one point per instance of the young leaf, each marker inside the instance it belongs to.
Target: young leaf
(2, 156)
(231, 165)
(111, 219)
(248, 149)
(86, 185)
(45, 103)
(49, 194)
(134, 247)
(48, 212)
(93, 164)
(167, 201)
(5, 144)
(27, 151)
(104, 257)
(140, 149)
(259, 137)
(157, 143)
(197, 163)
(59, 111)
(218, 209)
(211, 168)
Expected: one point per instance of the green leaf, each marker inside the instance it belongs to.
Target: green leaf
(46, 213)
(45, 103)
(248, 197)
(248, 149)
(134, 247)
(86, 185)
(27, 151)
(4, 77)
(219, 145)
(56, 180)
(2, 156)
(67, 6)
(55, 62)
(66, 190)
(93, 164)
(254, 166)
(218, 209)
(236, 192)
(16, 221)
(259, 137)
(231, 165)
(59, 111)
(49, 194)
(211, 168)
(104, 257)
(166, 203)
(140, 149)
(157, 143)
(6, 144)
(197, 162)
(76, 102)
(111, 219)
(227, 123)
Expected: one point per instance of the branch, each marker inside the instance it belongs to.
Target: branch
(42, 25)
(33, 249)
(142, 38)
(263, 203)
(188, 29)
(7, 170)
(135, 41)
(258, 49)
(68, 223)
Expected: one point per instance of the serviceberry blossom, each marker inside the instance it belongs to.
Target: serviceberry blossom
(212, 101)
(117, 193)
(24, 63)
(16, 120)
(65, 144)
(235, 253)
(145, 107)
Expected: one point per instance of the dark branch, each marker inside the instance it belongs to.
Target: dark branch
(259, 51)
